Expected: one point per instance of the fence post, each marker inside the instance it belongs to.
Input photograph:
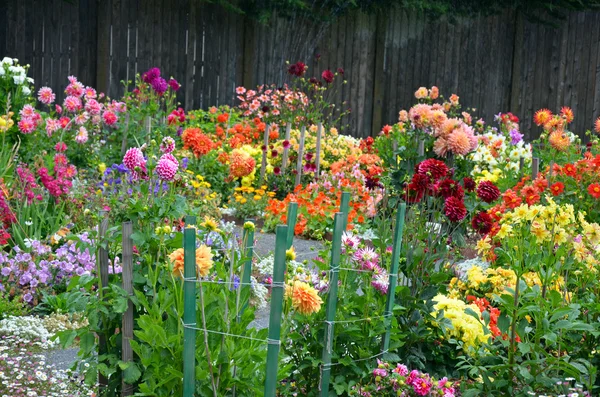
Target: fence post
(103, 272)
(535, 167)
(276, 308)
(344, 206)
(393, 275)
(127, 331)
(292, 216)
(286, 149)
(300, 155)
(521, 166)
(263, 165)
(318, 149)
(248, 241)
(331, 303)
(189, 308)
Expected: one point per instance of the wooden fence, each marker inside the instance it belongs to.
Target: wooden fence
(494, 64)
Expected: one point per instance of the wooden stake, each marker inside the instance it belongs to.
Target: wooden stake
(103, 282)
(300, 155)
(535, 167)
(263, 165)
(286, 150)
(127, 326)
(318, 149)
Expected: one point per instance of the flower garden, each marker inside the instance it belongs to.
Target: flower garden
(458, 259)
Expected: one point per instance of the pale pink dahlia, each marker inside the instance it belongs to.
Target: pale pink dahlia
(82, 135)
(52, 126)
(167, 167)
(46, 96)
(167, 145)
(72, 103)
(93, 107)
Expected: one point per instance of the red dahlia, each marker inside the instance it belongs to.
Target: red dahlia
(419, 183)
(469, 184)
(488, 192)
(557, 188)
(327, 75)
(297, 69)
(433, 168)
(449, 187)
(482, 223)
(455, 209)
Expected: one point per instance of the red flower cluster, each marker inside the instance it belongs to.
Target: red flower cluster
(297, 69)
(176, 116)
(484, 305)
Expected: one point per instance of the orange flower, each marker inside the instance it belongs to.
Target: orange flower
(569, 169)
(176, 257)
(222, 118)
(241, 164)
(559, 141)
(597, 125)
(567, 114)
(542, 116)
(194, 139)
(511, 200)
(305, 298)
(273, 134)
(203, 261)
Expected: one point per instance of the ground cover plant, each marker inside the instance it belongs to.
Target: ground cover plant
(495, 291)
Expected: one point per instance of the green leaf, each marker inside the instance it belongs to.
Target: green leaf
(87, 342)
(131, 373)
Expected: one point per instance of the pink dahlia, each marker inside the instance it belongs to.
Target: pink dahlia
(28, 111)
(52, 126)
(90, 93)
(422, 386)
(110, 118)
(46, 96)
(60, 147)
(174, 84)
(420, 115)
(75, 88)
(93, 107)
(167, 145)
(72, 103)
(167, 167)
(133, 158)
(459, 142)
(82, 135)
(401, 370)
(26, 126)
(487, 191)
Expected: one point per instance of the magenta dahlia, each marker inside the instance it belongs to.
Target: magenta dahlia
(167, 167)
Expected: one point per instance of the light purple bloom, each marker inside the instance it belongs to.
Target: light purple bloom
(515, 136)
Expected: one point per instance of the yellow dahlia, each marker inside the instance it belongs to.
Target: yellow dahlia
(305, 298)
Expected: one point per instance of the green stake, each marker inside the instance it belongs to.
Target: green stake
(189, 309)
(248, 241)
(276, 309)
(331, 302)
(344, 207)
(393, 277)
(292, 215)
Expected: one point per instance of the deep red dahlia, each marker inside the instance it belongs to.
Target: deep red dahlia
(327, 76)
(482, 223)
(433, 168)
(469, 184)
(449, 187)
(297, 69)
(455, 209)
(419, 183)
(488, 192)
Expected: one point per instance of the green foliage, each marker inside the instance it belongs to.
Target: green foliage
(11, 306)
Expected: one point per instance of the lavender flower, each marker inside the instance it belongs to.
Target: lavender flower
(515, 136)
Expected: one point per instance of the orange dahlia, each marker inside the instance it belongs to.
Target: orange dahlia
(241, 164)
(559, 141)
(194, 139)
(567, 113)
(542, 116)
(459, 142)
(305, 298)
(204, 261)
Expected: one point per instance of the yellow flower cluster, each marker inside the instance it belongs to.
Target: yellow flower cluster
(486, 175)
(494, 281)
(244, 194)
(464, 326)
(552, 225)
(6, 122)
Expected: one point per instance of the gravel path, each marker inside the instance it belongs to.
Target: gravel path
(265, 243)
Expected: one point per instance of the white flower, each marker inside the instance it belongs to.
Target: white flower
(7, 61)
(30, 80)
(18, 79)
(2, 71)
(26, 90)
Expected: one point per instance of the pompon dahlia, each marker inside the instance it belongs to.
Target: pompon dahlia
(305, 298)
(455, 209)
(435, 169)
(194, 139)
(167, 167)
(542, 116)
(487, 191)
(167, 145)
(133, 158)
(559, 141)
(241, 163)
(469, 184)
(482, 223)
(448, 188)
